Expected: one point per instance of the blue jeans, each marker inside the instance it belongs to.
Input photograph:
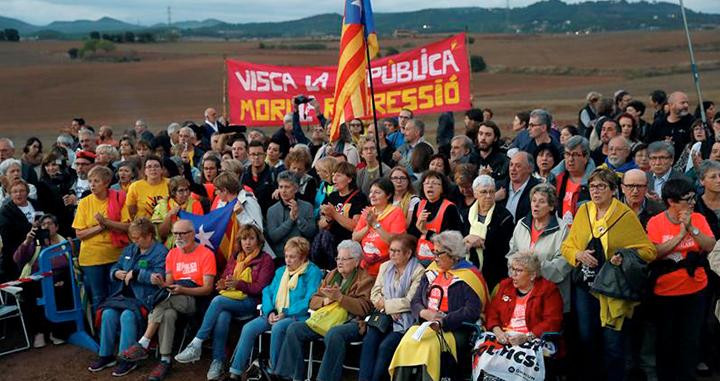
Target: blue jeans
(113, 321)
(249, 335)
(97, 283)
(597, 341)
(377, 352)
(290, 363)
(217, 320)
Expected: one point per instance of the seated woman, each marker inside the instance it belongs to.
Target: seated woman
(166, 211)
(526, 305)
(44, 233)
(101, 223)
(451, 293)
(136, 277)
(395, 286)
(541, 233)
(349, 286)
(377, 224)
(285, 301)
(240, 287)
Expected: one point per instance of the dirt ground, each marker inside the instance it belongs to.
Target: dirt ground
(42, 89)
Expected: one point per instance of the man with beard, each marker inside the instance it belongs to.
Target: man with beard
(675, 127)
(490, 160)
(618, 155)
(461, 150)
(608, 130)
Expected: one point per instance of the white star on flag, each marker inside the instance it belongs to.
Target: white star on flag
(204, 237)
(356, 3)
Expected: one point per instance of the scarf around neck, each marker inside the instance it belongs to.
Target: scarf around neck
(288, 282)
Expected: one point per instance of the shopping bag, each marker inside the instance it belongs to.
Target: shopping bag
(327, 317)
(508, 362)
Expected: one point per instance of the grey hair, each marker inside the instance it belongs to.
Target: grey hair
(288, 118)
(173, 127)
(65, 139)
(301, 146)
(544, 116)
(86, 131)
(10, 142)
(625, 141)
(548, 190)
(289, 177)
(530, 261)
(141, 122)
(528, 157)
(188, 129)
(578, 141)
(483, 180)
(707, 166)
(108, 150)
(353, 247)
(467, 142)
(5, 165)
(420, 125)
(593, 94)
(656, 147)
(453, 241)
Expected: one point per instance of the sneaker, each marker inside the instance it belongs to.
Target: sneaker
(101, 363)
(134, 353)
(191, 353)
(216, 370)
(123, 368)
(159, 372)
(56, 340)
(39, 341)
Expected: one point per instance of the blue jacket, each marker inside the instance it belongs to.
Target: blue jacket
(151, 262)
(308, 284)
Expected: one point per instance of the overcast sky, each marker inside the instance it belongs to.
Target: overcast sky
(147, 12)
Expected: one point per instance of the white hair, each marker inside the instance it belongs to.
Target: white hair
(353, 247)
(7, 163)
(173, 127)
(483, 181)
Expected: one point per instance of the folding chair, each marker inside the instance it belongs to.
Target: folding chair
(9, 310)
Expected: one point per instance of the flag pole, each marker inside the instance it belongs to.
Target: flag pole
(372, 100)
(224, 90)
(693, 65)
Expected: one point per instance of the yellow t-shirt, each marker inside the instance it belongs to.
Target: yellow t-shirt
(146, 196)
(98, 249)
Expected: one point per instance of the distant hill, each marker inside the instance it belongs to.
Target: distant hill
(548, 16)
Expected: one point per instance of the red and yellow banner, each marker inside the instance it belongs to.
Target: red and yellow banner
(429, 79)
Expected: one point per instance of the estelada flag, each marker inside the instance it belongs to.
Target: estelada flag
(216, 230)
(351, 90)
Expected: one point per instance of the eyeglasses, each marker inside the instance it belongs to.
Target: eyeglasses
(574, 155)
(690, 198)
(635, 187)
(182, 190)
(438, 253)
(516, 270)
(486, 192)
(658, 158)
(178, 234)
(257, 154)
(432, 183)
(343, 259)
(598, 187)
(398, 178)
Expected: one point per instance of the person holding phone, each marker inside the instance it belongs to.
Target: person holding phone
(16, 219)
(44, 233)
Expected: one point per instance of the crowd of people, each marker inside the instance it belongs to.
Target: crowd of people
(602, 233)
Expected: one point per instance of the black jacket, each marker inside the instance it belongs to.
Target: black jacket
(13, 229)
(497, 245)
(523, 207)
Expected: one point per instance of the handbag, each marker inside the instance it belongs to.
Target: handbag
(326, 317)
(582, 275)
(448, 362)
(380, 320)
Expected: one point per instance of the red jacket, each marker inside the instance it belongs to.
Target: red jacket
(544, 311)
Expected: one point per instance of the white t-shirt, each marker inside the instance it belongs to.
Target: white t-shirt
(29, 212)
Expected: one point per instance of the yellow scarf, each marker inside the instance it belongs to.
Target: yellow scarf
(243, 263)
(288, 282)
(479, 228)
(404, 203)
(388, 209)
(241, 272)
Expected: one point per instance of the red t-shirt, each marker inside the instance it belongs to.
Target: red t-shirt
(373, 244)
(568, 209)
(191, 266)
(678, 282)
(534, 235)
(517, 320)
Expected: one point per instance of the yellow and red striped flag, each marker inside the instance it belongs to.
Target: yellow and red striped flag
(351, 88)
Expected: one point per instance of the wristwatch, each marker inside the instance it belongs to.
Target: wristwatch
(694, 231)
(376, 225)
